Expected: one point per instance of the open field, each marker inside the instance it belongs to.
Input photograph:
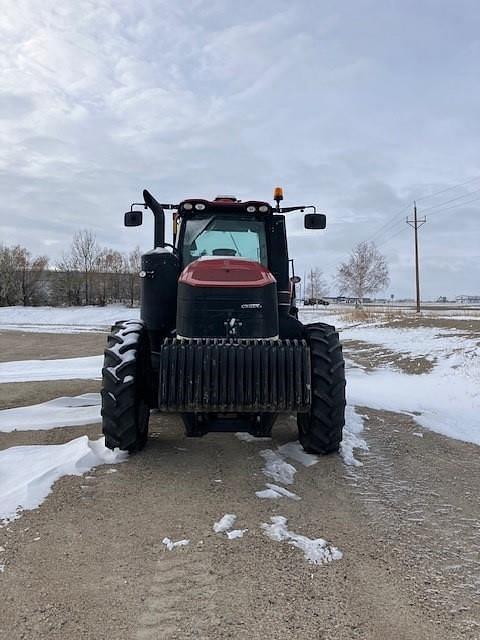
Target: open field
(400, 503)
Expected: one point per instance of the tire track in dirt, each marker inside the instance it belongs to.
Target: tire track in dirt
(182, 592)
(422, 508)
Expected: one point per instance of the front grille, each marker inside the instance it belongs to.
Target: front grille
(223, 375)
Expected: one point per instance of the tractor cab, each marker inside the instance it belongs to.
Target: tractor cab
(222, 228)
(226, 273)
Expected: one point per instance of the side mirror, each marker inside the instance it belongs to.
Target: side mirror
(295, 279)
(315, 221)
(133, 218)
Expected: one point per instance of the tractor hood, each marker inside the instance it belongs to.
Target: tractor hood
(227, 297)
(220, 271)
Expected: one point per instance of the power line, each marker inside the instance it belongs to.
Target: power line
(402, 230)
(394, 221)
(387, 225)
(465, 195)
(437, 193)
(455, 206)
(378, 239)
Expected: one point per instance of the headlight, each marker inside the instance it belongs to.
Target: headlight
(251, 209)
(143, 274)
(263, 208)
(199, 206)
(188, 206)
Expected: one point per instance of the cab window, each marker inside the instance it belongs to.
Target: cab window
(214, 236)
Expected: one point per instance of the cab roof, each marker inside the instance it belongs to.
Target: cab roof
(224, 204)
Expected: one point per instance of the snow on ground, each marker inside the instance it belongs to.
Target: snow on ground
(445, 400)
(316, 551)
(27, 473)
(274, 491)
(226, 522)
(276, 467)
(61, 412)
(351, 437)
(236, 533)
(85, 368)
(173, 545)
(247, 437)
(64, 319)
(295, 451)
(429, 342)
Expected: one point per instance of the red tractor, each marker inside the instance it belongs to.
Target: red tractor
(219, 341)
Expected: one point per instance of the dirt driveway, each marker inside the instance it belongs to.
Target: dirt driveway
(89, 563)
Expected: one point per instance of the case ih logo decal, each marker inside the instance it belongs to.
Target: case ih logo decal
(252, 305)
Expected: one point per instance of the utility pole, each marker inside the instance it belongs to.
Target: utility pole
(292, 279)
(416, 224)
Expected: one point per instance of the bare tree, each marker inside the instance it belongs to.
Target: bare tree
(68, 282)
(110, 269)
(316, 286)
(133, 266)
(8, 277)
(85, 252)
(365, 272)
(30, 272)
(20, 276)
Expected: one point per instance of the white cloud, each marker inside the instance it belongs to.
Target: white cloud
(357, 109)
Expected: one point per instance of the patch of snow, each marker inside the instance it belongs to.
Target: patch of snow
(308, 315)
(276, 467)
(247, 437)
(445, 400)
(268, 494)
(63, 319)
(236, 533)
(86, 368)
(351, 437)
(2, 568)
(61, 412)
(427, 342)
(173, 545)
(316, 551)
(295, 451)
(226, 522)
(27, 473)
(274, 491)
(419, 435)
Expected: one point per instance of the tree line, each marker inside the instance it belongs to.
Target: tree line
(90, 274)
(85, 274)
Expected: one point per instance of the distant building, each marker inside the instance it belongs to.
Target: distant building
(468, 299)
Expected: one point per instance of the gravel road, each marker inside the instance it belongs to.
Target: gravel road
(90, 563)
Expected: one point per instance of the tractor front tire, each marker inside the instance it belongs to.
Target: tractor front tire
(320, 430)
(126, 386)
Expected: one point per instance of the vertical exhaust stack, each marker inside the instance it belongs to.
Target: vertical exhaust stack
(159, 216)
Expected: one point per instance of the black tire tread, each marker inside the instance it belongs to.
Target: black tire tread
(320, 430)
(125, 386)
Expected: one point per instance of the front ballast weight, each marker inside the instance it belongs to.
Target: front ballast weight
(234, 376)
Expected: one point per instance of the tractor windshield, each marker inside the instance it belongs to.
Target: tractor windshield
(216, 236)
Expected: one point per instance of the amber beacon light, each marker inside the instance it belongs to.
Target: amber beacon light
(278, 195)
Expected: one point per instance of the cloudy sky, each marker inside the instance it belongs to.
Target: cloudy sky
(358, 107)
